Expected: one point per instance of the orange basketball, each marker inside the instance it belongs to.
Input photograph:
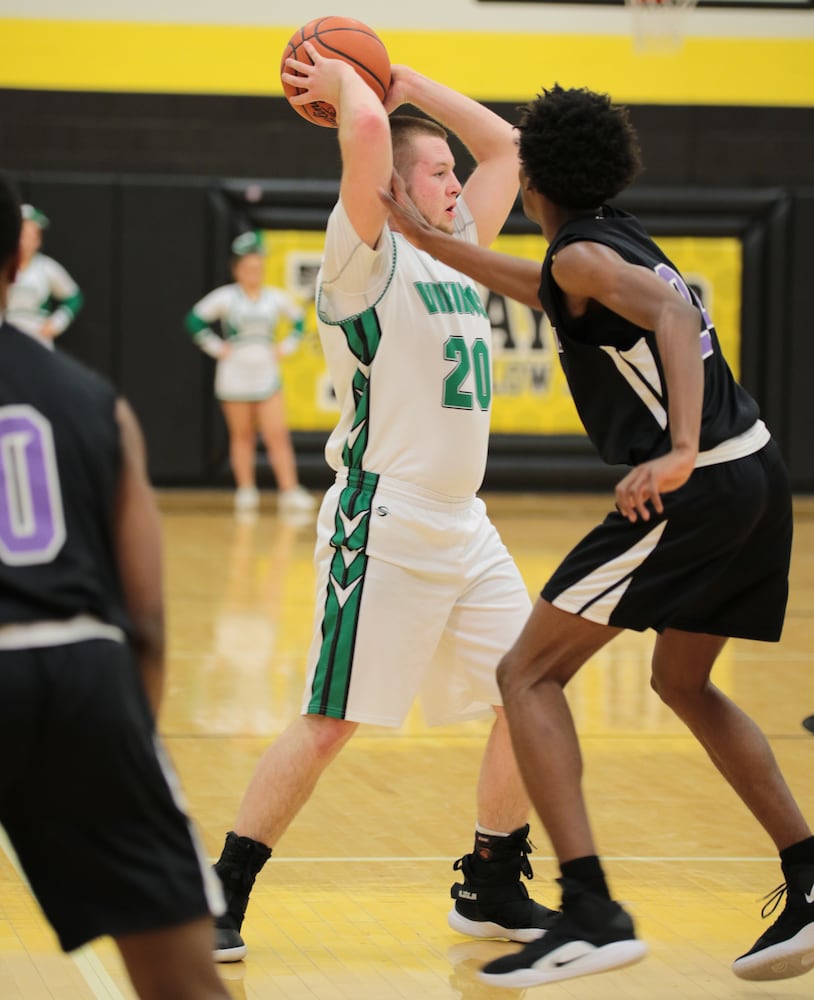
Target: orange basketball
(338, 38)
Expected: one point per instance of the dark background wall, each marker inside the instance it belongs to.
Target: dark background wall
(261, 137)
(149, 189)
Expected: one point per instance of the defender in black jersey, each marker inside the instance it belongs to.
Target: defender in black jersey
(87, 798)
(697, 548)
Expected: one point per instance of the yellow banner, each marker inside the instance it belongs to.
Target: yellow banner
(292, 262)
(530, 392)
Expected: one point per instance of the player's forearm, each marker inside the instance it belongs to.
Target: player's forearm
(367, 156)
(66, 312)
(484, 133)
(680, 353)
(203, 335)
(361, 119)
(514, 277)
(137, 534)
(148, 643)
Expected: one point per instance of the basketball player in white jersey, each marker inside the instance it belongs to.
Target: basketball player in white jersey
(416, 595)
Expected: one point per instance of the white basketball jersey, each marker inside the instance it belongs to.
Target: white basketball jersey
(407, 342)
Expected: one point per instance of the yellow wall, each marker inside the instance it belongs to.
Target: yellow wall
(491, 66)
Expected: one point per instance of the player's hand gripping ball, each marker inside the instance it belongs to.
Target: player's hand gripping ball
(338, 38)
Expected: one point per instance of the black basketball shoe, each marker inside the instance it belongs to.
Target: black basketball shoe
(786, 949)
(590, 935)
(237, 868)
(492, 902)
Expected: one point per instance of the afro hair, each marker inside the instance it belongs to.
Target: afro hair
(577, 148)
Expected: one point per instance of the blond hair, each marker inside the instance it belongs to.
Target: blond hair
(403, 130)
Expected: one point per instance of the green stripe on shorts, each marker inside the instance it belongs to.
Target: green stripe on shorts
(329, 693)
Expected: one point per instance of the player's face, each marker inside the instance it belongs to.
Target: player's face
(30, 239)
(248, 271)
(432, 183)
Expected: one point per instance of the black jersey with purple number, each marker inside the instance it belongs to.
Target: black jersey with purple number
(613, 367)
(59, 468)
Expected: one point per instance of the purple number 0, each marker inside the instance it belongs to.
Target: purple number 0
(666, 273)
(32, 523)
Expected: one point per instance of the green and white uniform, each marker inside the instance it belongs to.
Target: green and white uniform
(249, 371)
(43, 290)
(417, 595)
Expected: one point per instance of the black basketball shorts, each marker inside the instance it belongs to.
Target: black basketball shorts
(715, 561)
(87, 799)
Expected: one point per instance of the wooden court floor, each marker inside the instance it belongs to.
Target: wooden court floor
(353, 904)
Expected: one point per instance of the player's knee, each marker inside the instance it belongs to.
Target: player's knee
(507, 672)
(327, 735)
(673, 691)
(667, 691)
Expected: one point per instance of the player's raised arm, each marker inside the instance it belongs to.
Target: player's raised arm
(364, 135)
(492, 187)
(517, 277)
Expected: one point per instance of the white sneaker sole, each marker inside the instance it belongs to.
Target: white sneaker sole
(790, 958)
(609, 956)
(230, 954)
(486, 929)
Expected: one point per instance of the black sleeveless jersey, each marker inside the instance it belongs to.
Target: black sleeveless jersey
(59, 469)
(613, 367)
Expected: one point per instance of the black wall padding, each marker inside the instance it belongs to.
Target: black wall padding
(145, 248)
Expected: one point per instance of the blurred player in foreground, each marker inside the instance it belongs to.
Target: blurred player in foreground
(87, 796)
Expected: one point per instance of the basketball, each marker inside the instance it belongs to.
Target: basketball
(338, 38)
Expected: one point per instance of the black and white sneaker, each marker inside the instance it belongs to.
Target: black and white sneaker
(237, 867)
(590, 935)
(482, 913)
(492, 901)
(786, 949)
(229, 945)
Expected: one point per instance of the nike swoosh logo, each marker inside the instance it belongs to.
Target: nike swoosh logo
(809, 895)
(570, 953)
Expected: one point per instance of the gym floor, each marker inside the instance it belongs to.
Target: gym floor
(353, 904)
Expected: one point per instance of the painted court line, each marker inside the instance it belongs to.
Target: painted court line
(411, 859)
(95, 974)
(103, 987)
